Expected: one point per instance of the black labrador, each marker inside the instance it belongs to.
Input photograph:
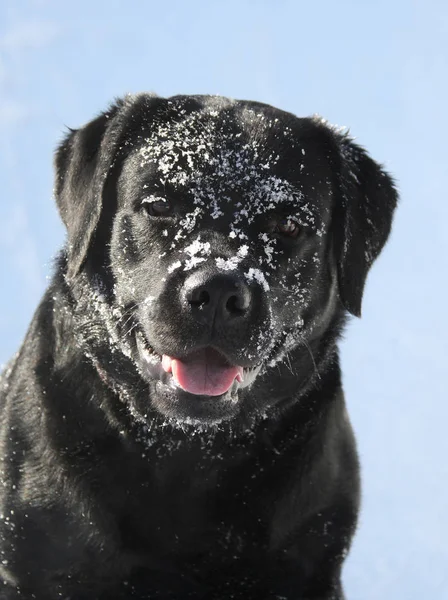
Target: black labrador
(173, 425)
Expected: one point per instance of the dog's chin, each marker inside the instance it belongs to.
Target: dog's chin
(169, 398)
(184, 408)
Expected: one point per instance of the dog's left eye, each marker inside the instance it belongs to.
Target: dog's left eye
(157, 207)
(288, 228)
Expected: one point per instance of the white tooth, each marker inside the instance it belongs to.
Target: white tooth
(151, 358)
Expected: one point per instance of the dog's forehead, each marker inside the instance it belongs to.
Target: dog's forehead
(250, 158)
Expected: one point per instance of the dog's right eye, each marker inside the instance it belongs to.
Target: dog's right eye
(157, 206)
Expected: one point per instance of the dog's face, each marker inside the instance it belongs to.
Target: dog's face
(228, 232)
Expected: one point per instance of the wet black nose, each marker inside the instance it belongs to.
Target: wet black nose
(222, 298)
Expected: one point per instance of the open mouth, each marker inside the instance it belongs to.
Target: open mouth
(202, 372)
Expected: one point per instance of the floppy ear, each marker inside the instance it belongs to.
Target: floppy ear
(82, 164)
(362, 219)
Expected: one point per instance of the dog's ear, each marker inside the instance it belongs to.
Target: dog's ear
(365, 203)
(83, 162)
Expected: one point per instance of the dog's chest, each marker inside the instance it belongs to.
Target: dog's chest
(192, 503)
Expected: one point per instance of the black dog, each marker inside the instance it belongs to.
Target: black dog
(174, 425)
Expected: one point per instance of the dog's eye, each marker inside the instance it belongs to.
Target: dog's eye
(288, 228)
(157, 207)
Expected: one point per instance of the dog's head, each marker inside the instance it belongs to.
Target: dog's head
(219, 237)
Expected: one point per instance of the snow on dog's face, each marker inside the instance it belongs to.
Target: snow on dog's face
(220, 243)
(223, 253)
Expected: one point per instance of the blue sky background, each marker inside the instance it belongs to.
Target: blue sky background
(379, 67)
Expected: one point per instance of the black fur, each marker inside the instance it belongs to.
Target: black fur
(117, 483)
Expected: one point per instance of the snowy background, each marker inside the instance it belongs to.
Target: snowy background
(380, 67)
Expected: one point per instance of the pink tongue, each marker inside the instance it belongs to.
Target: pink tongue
(204, 372)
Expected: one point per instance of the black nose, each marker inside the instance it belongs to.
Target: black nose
(219, 298)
